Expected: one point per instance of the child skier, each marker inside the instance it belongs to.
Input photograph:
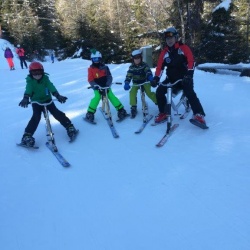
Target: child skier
(139, 72)
(9, 57)
(99, 74)
(39, 89)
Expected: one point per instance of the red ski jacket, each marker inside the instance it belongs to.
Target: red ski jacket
(99, 75)
(20, 51)
(178, 60)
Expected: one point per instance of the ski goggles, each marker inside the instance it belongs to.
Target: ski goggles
(36, 72)
(137, 57)
(169, 34)
(96, 59)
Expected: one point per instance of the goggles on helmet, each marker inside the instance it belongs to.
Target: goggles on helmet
(96, 59)
(169, 34)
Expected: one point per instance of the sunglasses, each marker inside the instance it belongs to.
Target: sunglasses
(96, 59)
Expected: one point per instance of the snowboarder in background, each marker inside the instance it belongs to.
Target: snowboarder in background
(99, 74)
(21, 53)
(39, 89)
(9, 57)
(179, 62)
(139, 72)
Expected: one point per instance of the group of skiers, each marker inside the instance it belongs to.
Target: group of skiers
(176, 57)
(9, 57)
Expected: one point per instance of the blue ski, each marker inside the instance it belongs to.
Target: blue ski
(165, 138)
(59, 157)
(144, 124)
(110, 123)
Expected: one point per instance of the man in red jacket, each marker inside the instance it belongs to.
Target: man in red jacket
(179, 62)
(21, 53)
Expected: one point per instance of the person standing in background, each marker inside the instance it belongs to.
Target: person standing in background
(21, 53)
(9, 57)
(52, 57)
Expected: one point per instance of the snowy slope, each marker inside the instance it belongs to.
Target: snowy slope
(125, 193)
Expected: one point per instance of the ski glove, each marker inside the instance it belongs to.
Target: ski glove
(126, 86)
(60, 98)
(25, 101)
(95, 87)
(155, 81)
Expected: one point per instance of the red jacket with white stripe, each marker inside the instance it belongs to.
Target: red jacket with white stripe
(179, 61)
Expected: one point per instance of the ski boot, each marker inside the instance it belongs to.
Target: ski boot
(90, 117)
(28, 140)
(122, 114)
(161, 118)
(133, 111)
(71, 131)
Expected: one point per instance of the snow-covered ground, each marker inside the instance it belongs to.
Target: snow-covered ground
(126, 194)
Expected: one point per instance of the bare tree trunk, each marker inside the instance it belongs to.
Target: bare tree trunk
(182, 20)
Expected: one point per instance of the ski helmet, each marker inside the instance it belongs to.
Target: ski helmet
(96, 56)
(171, 32)
(136, 53)
(36, 68)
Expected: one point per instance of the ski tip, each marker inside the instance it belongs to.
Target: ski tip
(24, 146)
(66, 165)
(198, 124)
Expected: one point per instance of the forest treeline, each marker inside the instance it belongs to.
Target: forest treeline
(116, 27)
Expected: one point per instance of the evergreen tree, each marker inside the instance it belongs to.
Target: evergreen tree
(221, 38)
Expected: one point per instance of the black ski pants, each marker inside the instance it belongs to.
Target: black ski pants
(188, 90)
(36, 117)
(23, 62)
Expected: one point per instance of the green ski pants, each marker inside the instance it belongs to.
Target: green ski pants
(133, 94)
(96, 99)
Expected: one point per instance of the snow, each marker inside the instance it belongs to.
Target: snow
(224, 4)
(125, 193)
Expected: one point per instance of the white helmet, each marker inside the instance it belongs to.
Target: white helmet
(18, 45)
(137, 52)
(95, 54)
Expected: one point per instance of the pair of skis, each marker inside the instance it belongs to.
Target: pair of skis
(166, 136)
(54, 150)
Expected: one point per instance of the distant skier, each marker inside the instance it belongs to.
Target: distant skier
(21, 53)
(139, 72)
(39, 89)
(52, 57)
(179, 62)
(99, 74)
(9, 57)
